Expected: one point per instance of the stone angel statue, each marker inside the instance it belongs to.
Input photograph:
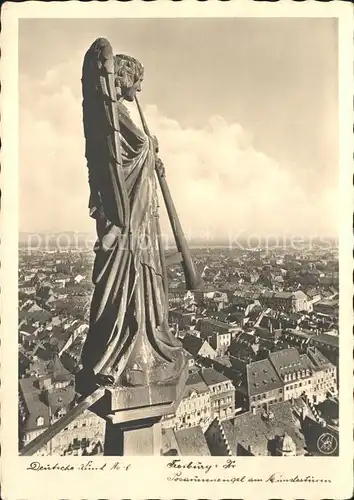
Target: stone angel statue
(129, 341)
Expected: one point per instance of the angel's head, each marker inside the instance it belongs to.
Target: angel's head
(129, 75)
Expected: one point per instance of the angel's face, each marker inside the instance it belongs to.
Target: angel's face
(129, 92)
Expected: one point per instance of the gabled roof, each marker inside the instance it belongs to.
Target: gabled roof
(261, 377)
(194, 383)
(287, 361)
(57, 371)
(212, 377)
(256, 431)
(192, 442)
(35, 407)
(192, 344)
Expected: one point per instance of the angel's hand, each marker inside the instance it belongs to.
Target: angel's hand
(160, 167)
(155, 143)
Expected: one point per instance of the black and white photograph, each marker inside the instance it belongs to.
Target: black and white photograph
(180, 245)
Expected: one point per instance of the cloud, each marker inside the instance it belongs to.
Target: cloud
(220, 183)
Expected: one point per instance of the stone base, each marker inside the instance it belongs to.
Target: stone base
(136, 438)
(133, 423)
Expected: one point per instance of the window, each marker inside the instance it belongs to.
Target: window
(279, 391)
(40, 421)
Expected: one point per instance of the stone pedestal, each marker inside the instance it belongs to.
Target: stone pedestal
(133, 420)
(139, 437)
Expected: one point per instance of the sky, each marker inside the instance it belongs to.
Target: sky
(245, 111)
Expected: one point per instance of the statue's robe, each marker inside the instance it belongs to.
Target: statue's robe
(128, 317)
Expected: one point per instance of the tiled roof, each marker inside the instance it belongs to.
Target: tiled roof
(34, 405)
(192, 344)
(215, 322)
(255, 431)
(283, 295)
(261, 377)
(331, 340)
(28, 329)
(57, 371)
(306, 362)
(298, 333)
(44, 354)
(244, 338)
(194, 383)
(192, 442)
(318, 360)
(60, 398)
(224, 360)
(212, 377)
(286, 361)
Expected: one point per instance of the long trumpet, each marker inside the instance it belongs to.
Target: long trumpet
(192, 277)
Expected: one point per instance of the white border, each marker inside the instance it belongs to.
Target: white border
(148, 477)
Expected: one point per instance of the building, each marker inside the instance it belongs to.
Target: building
(264, 385)
(294, 371)
(184, 442)
(329, 307)
(244, 347)
(310, 373)
(181, 319)
(44, 400)
(285, 446)
(195, 406)
(328, 345)
(198, 347)
(285, 301)
(313, 297)
(296, 338)
(257, 433)
(324, 381)
(206, 293)
(176, 296)
(217, 333)
(222, 393)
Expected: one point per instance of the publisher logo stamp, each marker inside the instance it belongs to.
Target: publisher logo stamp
(327, 443)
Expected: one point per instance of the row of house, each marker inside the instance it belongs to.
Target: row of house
(46, 398)
(208, 394)
(286, 374)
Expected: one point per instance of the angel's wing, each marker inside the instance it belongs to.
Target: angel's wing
(101, 128)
